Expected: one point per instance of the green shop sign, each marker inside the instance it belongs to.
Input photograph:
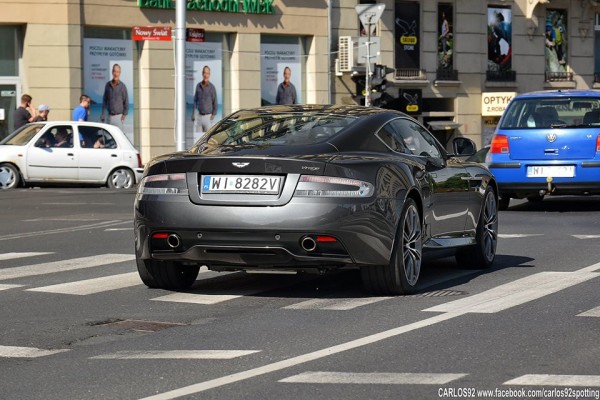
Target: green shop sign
(232, 6)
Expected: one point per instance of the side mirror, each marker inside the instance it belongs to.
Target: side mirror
(463, 146)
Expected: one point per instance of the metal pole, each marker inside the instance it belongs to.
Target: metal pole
(180, 8)
(368, 74)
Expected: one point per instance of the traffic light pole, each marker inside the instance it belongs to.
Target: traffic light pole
(369, 72)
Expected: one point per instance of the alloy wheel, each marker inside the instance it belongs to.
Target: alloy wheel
(412, 245)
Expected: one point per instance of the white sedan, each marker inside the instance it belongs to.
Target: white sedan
(69, 152)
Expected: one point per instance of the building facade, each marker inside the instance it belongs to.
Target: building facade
(57, 50)
(456, 63)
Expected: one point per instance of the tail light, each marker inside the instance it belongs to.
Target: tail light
(331, 186)
(500, 145)
(164, 184)
(598, 144)
(139, 157)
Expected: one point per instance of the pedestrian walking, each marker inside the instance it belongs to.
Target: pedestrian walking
(205, 102)
(43, 111)
(115, 101)
(286, 91)
(80, 113)
(25, 113)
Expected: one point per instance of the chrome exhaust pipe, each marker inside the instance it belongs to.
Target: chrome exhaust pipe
(173, 241)
(308, 244)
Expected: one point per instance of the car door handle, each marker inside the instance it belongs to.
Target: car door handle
(114, 155)
(70, 154)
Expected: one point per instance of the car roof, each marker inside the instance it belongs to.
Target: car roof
(560, 93)
(333, 109)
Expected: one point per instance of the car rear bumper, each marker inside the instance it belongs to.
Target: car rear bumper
(250, 236)
(511, 177)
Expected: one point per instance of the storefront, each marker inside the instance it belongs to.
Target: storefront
(58, 50)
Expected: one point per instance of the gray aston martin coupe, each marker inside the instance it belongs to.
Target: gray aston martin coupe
(313, 188)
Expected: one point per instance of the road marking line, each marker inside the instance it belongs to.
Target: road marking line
(176, 355)
(119, 229)
(594, 312)
(374, 378)
(64, 230)
(516, 293)
(26, 352)
(205, 299)
(62, 219)
(92, 286)
(64, 265)
(335, 304)
(315, 355)
(301, 359)
(5, 287)
(556, 380)
(586, 236)
(13, 256)
(518, 235)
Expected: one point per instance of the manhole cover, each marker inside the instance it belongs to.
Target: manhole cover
(440, 293)
(138, 325)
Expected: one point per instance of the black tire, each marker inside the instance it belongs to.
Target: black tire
(503, 202)
(9, 176)
(121, 178)
(482, 254)
(167, 275)
(402, 274)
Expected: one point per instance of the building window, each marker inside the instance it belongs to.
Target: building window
(445, 48)
(556, 46)
(9, 50)
(499, 35)
(280, 56)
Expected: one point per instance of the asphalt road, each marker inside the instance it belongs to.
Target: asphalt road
(76, 322)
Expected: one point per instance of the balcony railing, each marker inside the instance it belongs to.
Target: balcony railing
(446, 75)
(559, 76)
(501, 76)
(411, 74)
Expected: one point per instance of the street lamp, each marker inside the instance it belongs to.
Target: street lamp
(369, 14)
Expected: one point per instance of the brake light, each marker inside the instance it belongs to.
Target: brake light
(164, 184)
(332, 186)
(139, 157)
(326, 239)
(598, 144)
(500, 144)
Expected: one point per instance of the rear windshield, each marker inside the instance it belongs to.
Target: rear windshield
(552, 112)
(277, 129)
(23, 135)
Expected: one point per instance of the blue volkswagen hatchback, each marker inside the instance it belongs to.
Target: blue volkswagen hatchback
(547, 143)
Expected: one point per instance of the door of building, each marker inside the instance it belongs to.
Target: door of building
(8, 104)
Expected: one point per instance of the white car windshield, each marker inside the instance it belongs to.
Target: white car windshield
(23, 135)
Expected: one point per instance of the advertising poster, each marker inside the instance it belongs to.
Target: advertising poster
(198, 55)
(556, 41)
(445, 36)
(499, 34)
(99, 56)
(274, 58)
(406, 35)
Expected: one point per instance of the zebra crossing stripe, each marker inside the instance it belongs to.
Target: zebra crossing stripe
(594, 312)
(26, 352)
(556, 380)
(335, 304)
(206, 299)
(13, 256)
(5, 287)
(176, 355)
(373, 378)
(92, 286)
(63, 265)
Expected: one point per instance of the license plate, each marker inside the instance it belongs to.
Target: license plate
(555, 171)
(253, 184)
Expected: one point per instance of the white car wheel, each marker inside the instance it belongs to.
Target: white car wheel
(121, 178)
(9, 176)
